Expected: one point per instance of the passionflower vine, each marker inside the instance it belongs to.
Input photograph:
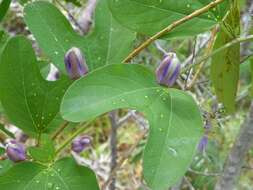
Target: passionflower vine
(75, 63)
(81, 143)
(15, 151)
(168, 70)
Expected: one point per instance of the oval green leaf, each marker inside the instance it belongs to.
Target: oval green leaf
(65, 174)
(108, 43)
(4, 6)
(29, 101)
(174, 118)
(225, 67)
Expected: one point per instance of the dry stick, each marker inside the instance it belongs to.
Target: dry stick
(209, 48)
(113, 146)
(171, 27)
(236, 157)
(122, 160)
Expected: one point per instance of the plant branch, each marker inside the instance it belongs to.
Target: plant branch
(171, 27)
(113, 145)
(60, 129)
(235, 159)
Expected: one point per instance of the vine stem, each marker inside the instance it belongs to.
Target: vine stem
(236, 157)
(170, 28)
(61, 128)
(80, 129)
(208, 51)
(236, 41)
(113, 145)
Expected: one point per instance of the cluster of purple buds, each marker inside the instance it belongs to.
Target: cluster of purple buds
(168, 70)
(81, 143)
(204, 140)
(15, 151)
(75, 63)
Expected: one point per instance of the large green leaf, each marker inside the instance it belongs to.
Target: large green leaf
(63, 175)
(108, 43)
(225, 64)
(5, 165)
(3, 39)
(150, 16)
(30, 102)
(174, 118)
(4, 6)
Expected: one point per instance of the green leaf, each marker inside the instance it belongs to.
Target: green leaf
(251, 70)
(4, 6)
(30, 102)
(2, 151)
(174, 118)
(225, 64)
(63, 175)
(150, 16)
(5, 165)
(3, 39)
(45, 152)
(75, 2)
(108, 43)
(44, 68)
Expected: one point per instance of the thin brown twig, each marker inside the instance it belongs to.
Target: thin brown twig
(170, 28)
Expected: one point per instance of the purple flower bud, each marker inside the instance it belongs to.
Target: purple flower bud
(203, 143)
(81, 143)
(16, 151)
(75, 63)
(169, 70)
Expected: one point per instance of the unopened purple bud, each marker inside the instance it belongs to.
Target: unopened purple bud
(75, 63)
(81, 143)
(203, 143)
(169, 70)
(16, 151)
